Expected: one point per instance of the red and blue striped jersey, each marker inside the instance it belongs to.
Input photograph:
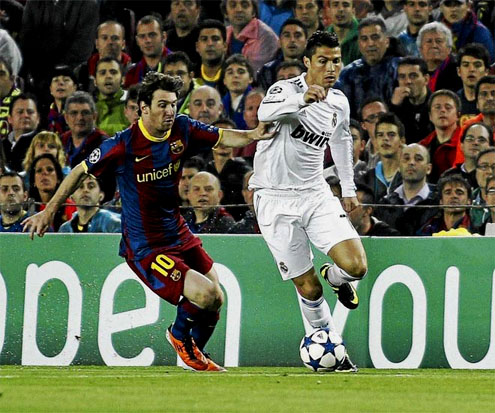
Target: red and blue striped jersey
(148, 170)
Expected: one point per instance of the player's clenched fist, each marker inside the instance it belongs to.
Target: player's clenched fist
(315, 93)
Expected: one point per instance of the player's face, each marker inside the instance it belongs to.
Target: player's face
(131, 111)
(239, 12)
(470, 70)
(443, 112)
(388, 140)
(180, 69)
(292, 41)
(341, 12)
(108, 78)
(24, 116)
(288, 72)
(486, 99)
(211, 46)
(237, 78)
(477, 138)
(251, 110)
(62, 87)
(160, 115)
(45, 147)
(185, 182)
(485, 168)
(150, 39)
(417, 11)
(45, 175)
(88, 193)
(373, 44)
(12, 195)
(184, 13)
(80, 118)
(307, 11)
(434, 47)
(324, 66)
(205, 105)
(411, 76)
(414, 165)
(455, 194)
(454, 11)
(204, 192)
(110, 40)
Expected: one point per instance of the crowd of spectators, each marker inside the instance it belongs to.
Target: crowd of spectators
(419, 76)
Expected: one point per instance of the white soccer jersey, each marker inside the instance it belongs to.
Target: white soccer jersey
(293, 159)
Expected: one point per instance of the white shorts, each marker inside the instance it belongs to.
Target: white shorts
(290, 220)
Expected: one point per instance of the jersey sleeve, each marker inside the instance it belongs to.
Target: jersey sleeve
(281, 100)
(203, 137)
(109, 155)
(341, 147)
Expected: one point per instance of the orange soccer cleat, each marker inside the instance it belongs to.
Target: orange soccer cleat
(189, 352)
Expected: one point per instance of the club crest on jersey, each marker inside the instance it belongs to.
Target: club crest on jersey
(283, 267)
(176, 147)
(95, 156)
(175, 276)
(311, 138)
(334, 120)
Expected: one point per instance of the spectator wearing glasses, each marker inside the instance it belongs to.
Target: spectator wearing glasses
(474, 139)
(485, 168)
(369, 113)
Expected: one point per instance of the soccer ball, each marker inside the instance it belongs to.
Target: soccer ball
(322, 350)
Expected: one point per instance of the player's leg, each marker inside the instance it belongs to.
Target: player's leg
(331, 232)
(312, 302)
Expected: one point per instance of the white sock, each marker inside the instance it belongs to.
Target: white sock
(337, 276)
(317, 313)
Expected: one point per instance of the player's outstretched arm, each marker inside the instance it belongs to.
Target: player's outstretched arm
(40, 222)
(238, 138)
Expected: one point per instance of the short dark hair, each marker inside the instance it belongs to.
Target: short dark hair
(319, 4)
(448, 93)
(150, 18)
(372, 21)
(154, 81)
(476, 50)
(368, 194)
(212, 24)
(111, 22)
(367, 101)
(241, 60)
(353, 123)
(23, 96)
(414, 61)
(295, 22)
(254, 3)
(490, 79)
(132, 93)
(393, 119)
(484, 125)
(195, 162)
(453, 179)
(177, 57)
(483, 153)
(320, 38)
(14, 174)
(228, 121)
(109, 59)
(290, 63)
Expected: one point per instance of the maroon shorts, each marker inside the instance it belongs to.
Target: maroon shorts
(165, 271)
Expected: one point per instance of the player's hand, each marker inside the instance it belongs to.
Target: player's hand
(37, 224)
(349, 203)
(400, 93)
(265, 130)
(315, 93)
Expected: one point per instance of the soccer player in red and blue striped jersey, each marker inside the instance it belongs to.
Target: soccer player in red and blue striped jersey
(147, 160)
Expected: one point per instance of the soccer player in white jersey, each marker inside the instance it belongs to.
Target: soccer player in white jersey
(293, 203)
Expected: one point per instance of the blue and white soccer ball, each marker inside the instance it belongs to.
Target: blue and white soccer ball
(322, 350)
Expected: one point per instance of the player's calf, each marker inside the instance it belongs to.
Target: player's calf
(345, 291)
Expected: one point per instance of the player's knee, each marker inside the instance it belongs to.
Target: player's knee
(357, 269)
(310, 291)
(211, 297)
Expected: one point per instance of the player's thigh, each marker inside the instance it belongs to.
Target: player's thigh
(327, 223)
(281, 228)
(163, 273)
(350, 256)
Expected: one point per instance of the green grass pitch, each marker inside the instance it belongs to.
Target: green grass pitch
(248, 389)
